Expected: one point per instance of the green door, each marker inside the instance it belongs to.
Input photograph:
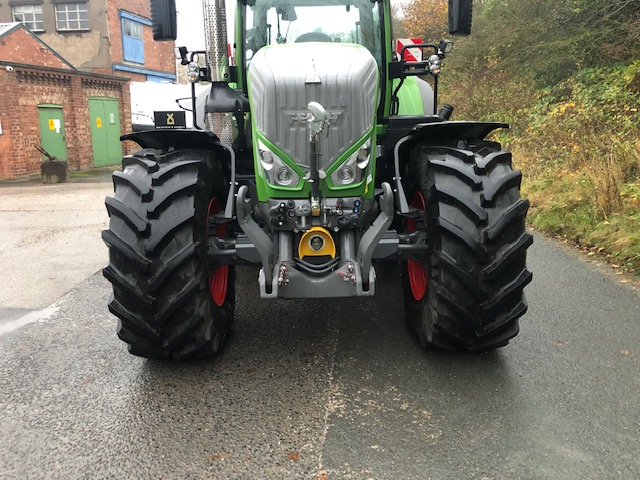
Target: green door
(104, 115)
(52, 131)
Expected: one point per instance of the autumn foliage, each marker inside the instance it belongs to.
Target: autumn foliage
(565, 74)
(426, 19)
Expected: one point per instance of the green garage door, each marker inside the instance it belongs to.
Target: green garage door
(104, 115)
(52, 131)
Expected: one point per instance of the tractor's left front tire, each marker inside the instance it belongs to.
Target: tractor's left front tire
(169, 301)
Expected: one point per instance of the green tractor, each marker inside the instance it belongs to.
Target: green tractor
(318, 152)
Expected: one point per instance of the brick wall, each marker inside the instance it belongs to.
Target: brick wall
(22, 89)
(5, 139)
(21, 47)
(97, 49)
(157, 55)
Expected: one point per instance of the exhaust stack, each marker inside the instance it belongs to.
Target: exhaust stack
(225, 107)
(215, 32)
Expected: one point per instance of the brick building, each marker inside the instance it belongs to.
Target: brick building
(99, 36)
(44, 101)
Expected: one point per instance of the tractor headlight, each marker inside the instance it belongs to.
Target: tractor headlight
(346, 175)
(352, 171)
(193, 72)
(277, 172)
(284, 175)
(434, 64)
(266, 158)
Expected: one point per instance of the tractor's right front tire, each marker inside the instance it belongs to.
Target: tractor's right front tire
(170, 303)
(469, 293)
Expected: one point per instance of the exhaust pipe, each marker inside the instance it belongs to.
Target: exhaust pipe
(222, 100)
(215, 32)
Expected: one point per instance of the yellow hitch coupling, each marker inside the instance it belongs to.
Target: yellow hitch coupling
(316, 242)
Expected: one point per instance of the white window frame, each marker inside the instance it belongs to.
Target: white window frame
(64, 10)
(135, 28)
(30, 14)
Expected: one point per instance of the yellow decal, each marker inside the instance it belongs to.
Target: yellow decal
(98, 122)
(52, 125)
(170, 119)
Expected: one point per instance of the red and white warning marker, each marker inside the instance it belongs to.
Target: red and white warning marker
(410, 54)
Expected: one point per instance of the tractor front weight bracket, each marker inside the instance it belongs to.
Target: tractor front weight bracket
(258, 237)
(372, 236)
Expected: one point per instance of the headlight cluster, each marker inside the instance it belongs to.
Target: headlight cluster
(352, 171)
(193, 72)
(277, 172)
(435, 64)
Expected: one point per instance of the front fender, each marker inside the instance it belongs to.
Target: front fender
(458, 130)
(181, 139)
(436, 133)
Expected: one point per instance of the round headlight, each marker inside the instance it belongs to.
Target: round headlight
(267, 157)
(434, 64)
(193, 72)
(346, 175)
(284, 176)
(364, 154)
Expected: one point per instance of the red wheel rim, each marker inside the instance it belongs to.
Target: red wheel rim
(416, 271)
(219, 277)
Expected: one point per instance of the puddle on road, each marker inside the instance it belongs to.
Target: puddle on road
(31, 317)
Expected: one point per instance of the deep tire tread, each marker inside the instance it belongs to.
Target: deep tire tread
(118, 245)
(464, 155)
(171, 266)
(126, 213)
(135, 320)
(489, 307)
(465, 277)
(136, 183)
(122, 281)
(477, 247)
(150, 166)
(473, 211)
(469, 177)
(487, 163)
(158, 265)
(510, 180)
(160, 204)
(515, 213)
(457, 232)
(165, 174)
(507, 255)
(158, 239)
(184, 294)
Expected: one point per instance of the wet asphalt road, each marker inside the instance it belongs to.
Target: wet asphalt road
(305, 390)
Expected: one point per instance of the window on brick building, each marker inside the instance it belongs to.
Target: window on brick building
(30, 16)
(132, 40)
(72, 16)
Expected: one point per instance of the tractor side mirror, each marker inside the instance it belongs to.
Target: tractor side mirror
(460, 17)
(163, 19)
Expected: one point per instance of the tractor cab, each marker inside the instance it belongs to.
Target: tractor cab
(281, 22)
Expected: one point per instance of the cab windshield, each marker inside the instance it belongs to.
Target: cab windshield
(272, 22)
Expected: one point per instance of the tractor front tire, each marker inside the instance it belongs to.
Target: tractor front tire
(469, 294)
(169, 302)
